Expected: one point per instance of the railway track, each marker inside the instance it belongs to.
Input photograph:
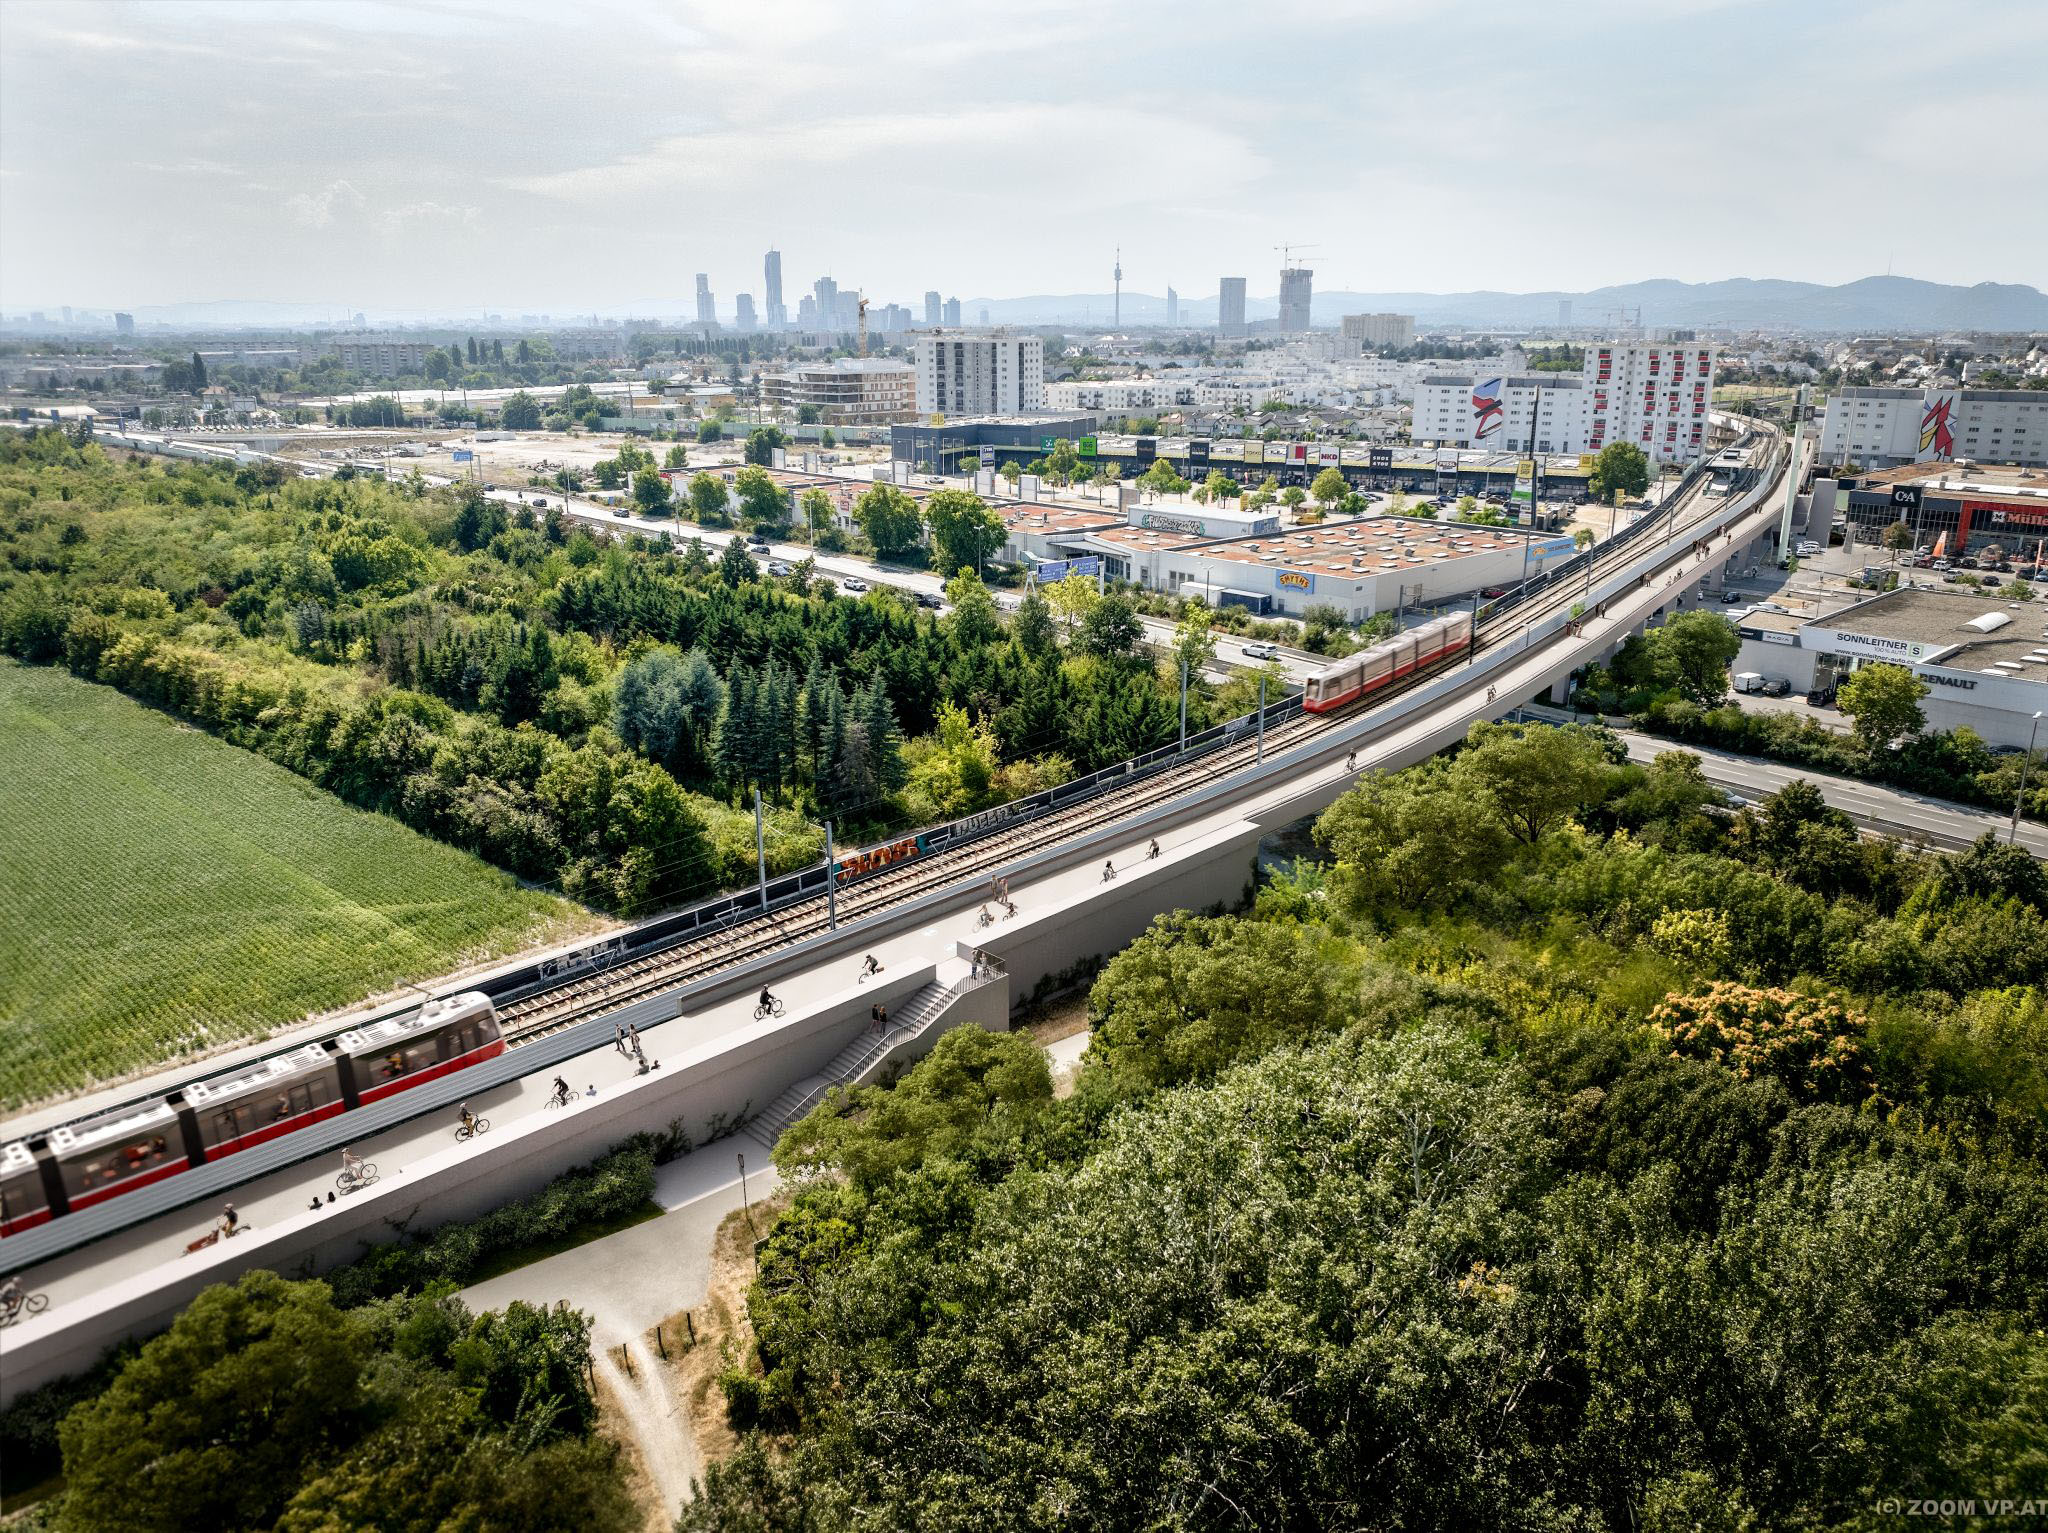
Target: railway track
(589, 995)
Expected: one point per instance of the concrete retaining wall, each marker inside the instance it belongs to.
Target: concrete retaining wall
(738, 1073)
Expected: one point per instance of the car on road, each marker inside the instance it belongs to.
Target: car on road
(1807, 549)
(777, 567)
(853, 583)
(758, 545)
(1256, 649)
(1941, 564)
(1730, 598)
(930, 599)
(1775, 686)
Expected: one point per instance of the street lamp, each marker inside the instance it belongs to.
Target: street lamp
(2020, 797)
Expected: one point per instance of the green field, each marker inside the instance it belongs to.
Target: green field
(164, 894)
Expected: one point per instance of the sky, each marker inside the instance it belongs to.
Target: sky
(457, 157)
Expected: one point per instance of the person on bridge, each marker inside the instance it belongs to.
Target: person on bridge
(1350, 760)
(1108, 872)
(10, 1295)
(1152, 852)
(230, 1221)
(562, 1091)
(767, 999)
(869, 968)
(468, 1120)
(1489, 694)
(351, 1163)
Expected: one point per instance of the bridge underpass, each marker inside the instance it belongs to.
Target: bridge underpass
(720, 1064)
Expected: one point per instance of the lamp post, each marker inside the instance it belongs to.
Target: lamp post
(2021, 796)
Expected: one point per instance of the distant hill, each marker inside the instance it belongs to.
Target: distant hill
(1740, 303)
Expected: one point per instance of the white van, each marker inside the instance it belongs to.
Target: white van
(1749, 681)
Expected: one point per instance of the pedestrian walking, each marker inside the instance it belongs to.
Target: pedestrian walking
(618, 1038)
(1108, 872)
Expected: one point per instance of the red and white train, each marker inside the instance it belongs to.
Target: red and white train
(1347, 680)
(80, 1164)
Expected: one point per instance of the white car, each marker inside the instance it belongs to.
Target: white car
(1258, 650)
(777, 567)
(1808, 550)
(853, 583)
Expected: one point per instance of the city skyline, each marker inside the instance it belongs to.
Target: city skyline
(244, 195)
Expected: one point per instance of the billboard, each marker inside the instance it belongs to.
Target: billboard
(463, 455)
(1227, 452)
(1086, 447)
(1045, 443)
(1524, 492)
(1489, 414)
(1294, 580)
(1059, 569)
(1331, 455)
(1276, 452)
(1198, 450)
(1906, 500)
(1148, 448)
(1379, 457)
(1937, 429)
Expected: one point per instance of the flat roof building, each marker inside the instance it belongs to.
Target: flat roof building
(984, 373)
(1882, 428)
(1984, 660)
(1654, 396)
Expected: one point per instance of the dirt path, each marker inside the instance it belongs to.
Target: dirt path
(644, 1412)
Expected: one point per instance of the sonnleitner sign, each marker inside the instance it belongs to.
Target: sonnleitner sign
(1883, 649)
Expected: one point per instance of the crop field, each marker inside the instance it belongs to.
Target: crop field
(163, 894)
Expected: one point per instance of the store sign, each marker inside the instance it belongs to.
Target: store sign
(1086, 447)
(1379, 457)
(1293, 580)
(1960, 683)
(1883, 649)
(1906, 499)
(1045, 443)
(1198, 450)
(1772, 636)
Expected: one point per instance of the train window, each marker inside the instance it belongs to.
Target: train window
(466, 1039)
(89, 1170)
(397, 1062)
(21, 1194)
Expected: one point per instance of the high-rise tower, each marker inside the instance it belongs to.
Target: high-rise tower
(771, 271)
(1116, 313)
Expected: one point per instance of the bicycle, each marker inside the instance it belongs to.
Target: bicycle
(868, 974)
(984, 919)
(27, 1304)
(471, 1130)
(557, 1099)
(774, 1008)
(362, 1176)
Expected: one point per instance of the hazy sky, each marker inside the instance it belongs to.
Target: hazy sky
(572, 155)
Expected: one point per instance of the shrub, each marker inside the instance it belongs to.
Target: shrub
(1812, 1044)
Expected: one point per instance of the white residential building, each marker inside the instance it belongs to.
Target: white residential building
(1378, 329)
(1656, 396)
(850, 391)
(1881, 428)
(983, 373)
(1123, 396)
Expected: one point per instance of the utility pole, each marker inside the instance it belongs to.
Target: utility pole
(831, 882)
(761, 850)
(1259, 753)
(1183, 703)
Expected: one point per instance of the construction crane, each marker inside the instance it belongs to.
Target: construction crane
(863, 325)
(1287, 253)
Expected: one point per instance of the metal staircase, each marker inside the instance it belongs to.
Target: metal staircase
(863, 1058)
